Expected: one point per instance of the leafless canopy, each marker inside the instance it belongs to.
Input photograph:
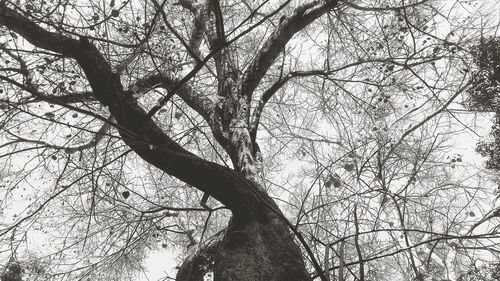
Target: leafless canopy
(301, 139)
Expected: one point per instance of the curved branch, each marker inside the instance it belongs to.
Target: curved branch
(98, 137)
(144, 136)
(196, 266)
(289, 26)
(201, 104)
(266, 96)
(187, 46)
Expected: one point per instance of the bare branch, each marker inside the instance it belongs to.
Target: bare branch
(187, 46)
(197, 265)
(144, 136)
(98, 137)
(219, 22)
(129, 59)
(257, 113)
(198, 102)
(426, 119)
(358, 247)
(371, 9)
(302, 17)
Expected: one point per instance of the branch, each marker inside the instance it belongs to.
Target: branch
(145, 137)
(252, 11)
(193, 54)
(28, 84)
(188, 5)
(98, 137)
(289, 26)
(257, 113)
(195, 100)
(65, 99)
(267, 95)
(492, 214)
(213, 53)
(227, 70)
(426, 119)
(199, 28)
(382, 9)
(342, 261)
(130, 58)
(19, 139)
(219, 22)
(48, 98)
(198, 102)
(196, 266)
(358, 247)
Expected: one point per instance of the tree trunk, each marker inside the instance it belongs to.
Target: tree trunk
(251, 250)
(259, 250)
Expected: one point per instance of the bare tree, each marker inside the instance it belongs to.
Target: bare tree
(269, 140)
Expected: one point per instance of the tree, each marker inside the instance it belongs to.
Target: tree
(483, 95)
(120, 119)
(13, 272)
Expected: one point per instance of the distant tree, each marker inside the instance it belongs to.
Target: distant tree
(12, 272)
(484, 94)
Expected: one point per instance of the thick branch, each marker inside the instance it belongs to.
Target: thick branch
(219, 22)
(257, 113)
(302, 17)
(66, 99)
(192, 53)
(142, 135)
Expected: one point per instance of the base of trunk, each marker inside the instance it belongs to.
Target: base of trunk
(254, 251)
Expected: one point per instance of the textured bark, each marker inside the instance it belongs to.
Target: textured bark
(253, 251)
(259, 251)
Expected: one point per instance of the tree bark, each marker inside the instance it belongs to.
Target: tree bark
(259, 250)
(251, 250)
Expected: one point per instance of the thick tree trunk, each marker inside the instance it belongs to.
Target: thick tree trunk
(259, 250)
(251, 250)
